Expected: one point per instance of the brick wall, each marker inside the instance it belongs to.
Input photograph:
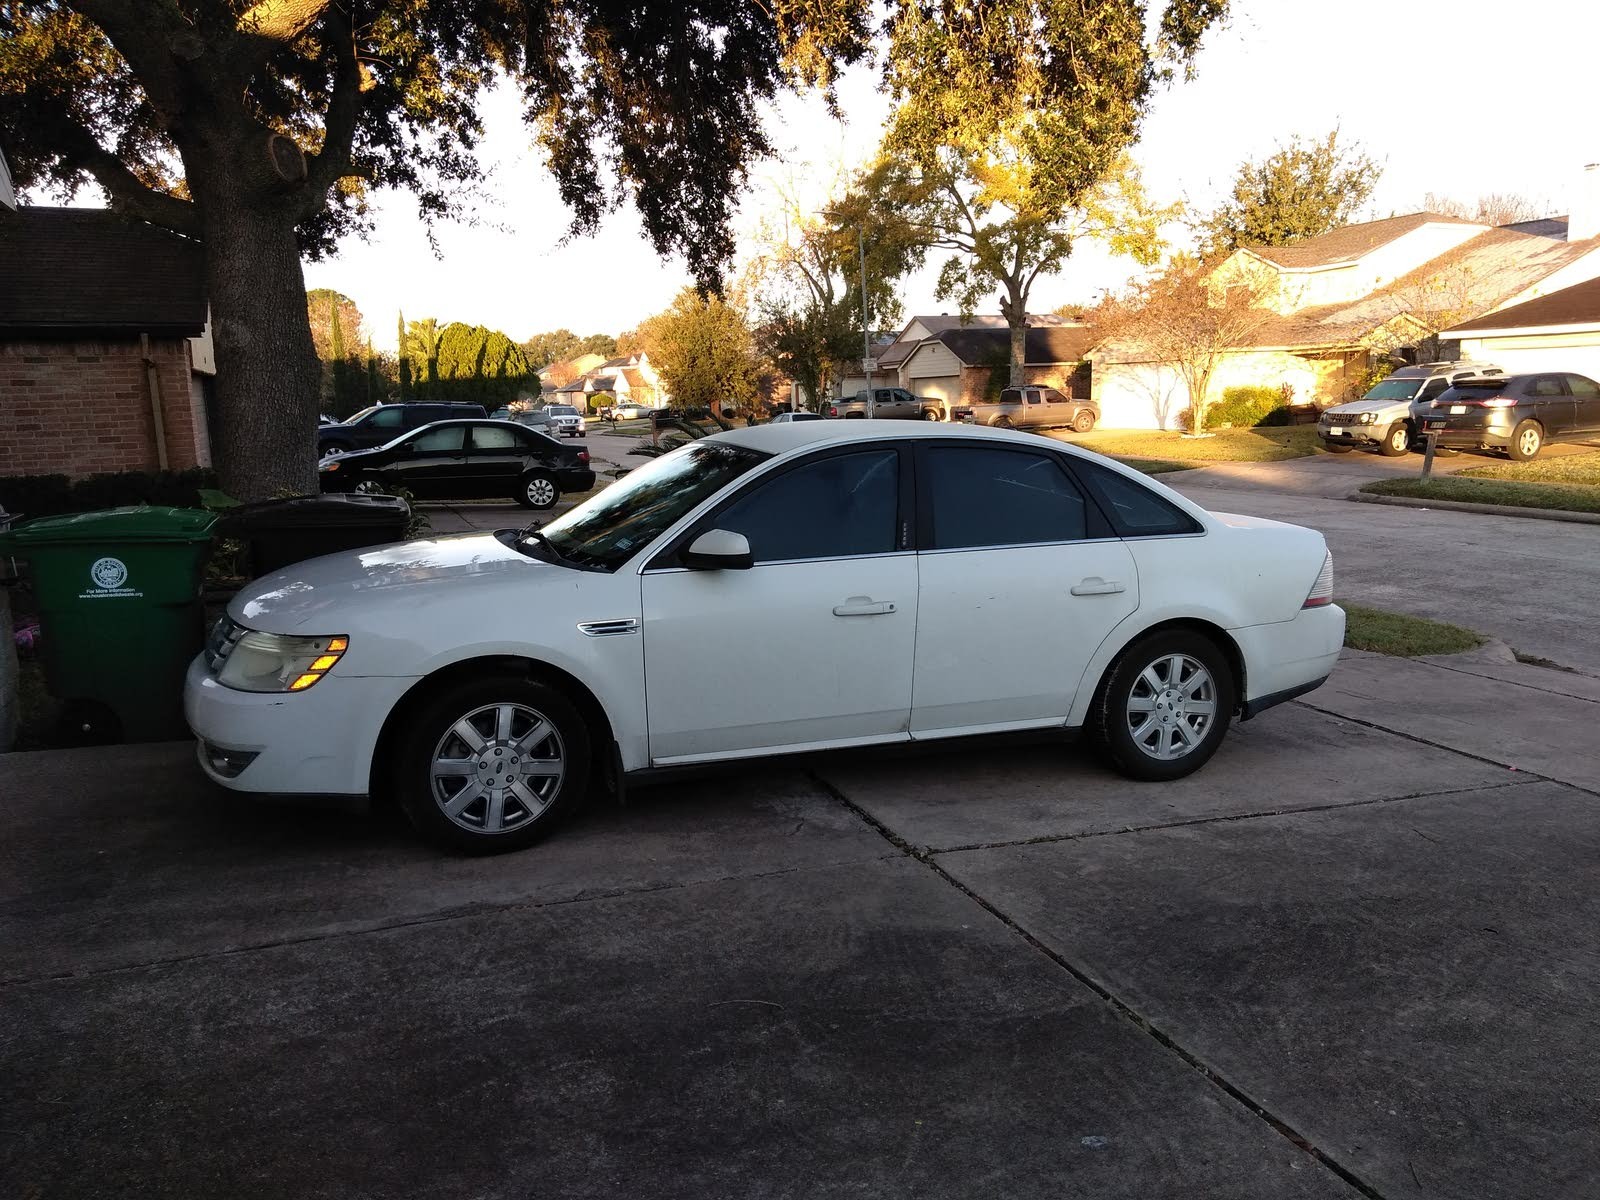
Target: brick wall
(78, 408)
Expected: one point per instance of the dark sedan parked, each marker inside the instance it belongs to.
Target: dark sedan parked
(466, 460)
(1515, 413)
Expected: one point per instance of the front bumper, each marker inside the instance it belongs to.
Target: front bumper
(316, 742)
(1354, 435)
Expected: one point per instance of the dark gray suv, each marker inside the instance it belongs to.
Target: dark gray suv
(382, 423)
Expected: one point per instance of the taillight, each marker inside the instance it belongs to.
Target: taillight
(1322, 590)
(583, 456)
(833, 411)
(1499, 402)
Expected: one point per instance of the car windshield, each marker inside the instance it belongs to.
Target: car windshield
(1393, 389)
(608, 530)
(562, 410)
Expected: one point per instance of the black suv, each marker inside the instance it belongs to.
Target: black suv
(466, 460)
(382, 423)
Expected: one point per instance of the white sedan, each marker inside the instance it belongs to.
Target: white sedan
(764, 591)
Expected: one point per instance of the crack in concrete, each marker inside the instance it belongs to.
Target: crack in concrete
(423, 920)
(1224, 818)
(1118, 1005)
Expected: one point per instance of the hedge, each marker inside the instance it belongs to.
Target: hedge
(51, 495)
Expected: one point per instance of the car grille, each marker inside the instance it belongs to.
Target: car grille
(1335, 418)
(224, 636)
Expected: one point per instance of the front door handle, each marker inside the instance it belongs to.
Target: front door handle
(1095, 586)
(863, 606)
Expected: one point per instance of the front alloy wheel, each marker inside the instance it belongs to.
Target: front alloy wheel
(1164, 706)
(1397, 441)
(538, 491)
(489, 763)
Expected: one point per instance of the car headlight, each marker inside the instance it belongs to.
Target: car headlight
(1368, 418)
(276, 662)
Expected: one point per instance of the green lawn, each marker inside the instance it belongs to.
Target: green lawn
(1226, 445)
(1583, 469)
(1402, 635)
(1571, 497)
(1154, 466)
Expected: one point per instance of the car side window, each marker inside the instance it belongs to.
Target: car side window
(1034, 396)
(436, 440)
(1435, 388)
(1548, 385)
(1583, 386)
(1010, 396)
(842, 506)
(1134, 510)
(487, 437)
(981, 497)
(387, 418)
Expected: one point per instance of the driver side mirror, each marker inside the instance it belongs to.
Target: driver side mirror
(719, 550)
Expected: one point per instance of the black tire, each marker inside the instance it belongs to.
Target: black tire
(1337, 447)
(538, 490)
(932, 414)
(1110, 718)
(1003, 423)
(1527, 439)
(334, 448)
(1397, 441)
(430, 733)
(369, 485)
(1083, 422)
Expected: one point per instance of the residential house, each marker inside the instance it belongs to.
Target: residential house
(956, 360)
(1344, 300)
(558, 374)
(1556, 332)
(105, 353)
(628, 377)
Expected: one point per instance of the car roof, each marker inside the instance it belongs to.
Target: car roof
(792, 435)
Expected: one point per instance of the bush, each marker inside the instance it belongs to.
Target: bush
(1244, 407)
(51, 495)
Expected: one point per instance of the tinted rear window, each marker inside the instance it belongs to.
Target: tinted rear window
(1134, 510)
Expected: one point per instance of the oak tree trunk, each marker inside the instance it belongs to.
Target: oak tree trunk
(268, 374)
(1014, 308)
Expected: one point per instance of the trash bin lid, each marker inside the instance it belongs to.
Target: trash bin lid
(322, 512)
(138, 523)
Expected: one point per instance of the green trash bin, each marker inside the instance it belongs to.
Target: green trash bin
(120, 615)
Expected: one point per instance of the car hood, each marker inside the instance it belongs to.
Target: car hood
(1372, 406)
(359, 586)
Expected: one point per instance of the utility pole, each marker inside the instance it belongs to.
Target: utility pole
(866, 329)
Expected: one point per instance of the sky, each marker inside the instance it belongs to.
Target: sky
(1461, 100)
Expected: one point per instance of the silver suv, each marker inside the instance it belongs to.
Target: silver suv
(1388, 418)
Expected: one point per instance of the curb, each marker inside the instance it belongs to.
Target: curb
(1493, 510)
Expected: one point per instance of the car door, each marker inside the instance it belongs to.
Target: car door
(381, 428)
(1586, 401)
(1551, 404)
(1020, 581)
(494, 461)
(810, 646)
(430, 463)
(1033, 407)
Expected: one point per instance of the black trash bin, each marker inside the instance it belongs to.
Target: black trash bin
(281, 532)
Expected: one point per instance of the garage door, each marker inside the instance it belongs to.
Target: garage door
(944, 388)
(1585, 360)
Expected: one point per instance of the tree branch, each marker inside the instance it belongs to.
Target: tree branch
(331, 163)
(145, 38)
(127, 193)
(280, 20)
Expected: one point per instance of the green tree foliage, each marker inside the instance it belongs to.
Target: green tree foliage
(1013, 117)
(703, 349)
(475, 365)
(559, 345)
(262, 128)
(402, 362)
(1306, 188)
(336, 327)
(422, 349)
(1004, 224)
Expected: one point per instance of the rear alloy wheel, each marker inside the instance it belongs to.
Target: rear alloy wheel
(1527, 439)
(1083, 422)
(489, 764)
(1164, 706)
(368, 487)
(932, 414)
(538, 490)
(1004, 423)
(1397, 441)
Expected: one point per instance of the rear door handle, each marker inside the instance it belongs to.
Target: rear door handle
(863, 606)
(1095, 586)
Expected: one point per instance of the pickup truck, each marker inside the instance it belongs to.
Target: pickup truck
(891, 403)
(1031, 407)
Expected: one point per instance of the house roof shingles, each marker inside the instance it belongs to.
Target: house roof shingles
(68, 272)
(1575, 305)
(1349, 242)
(1052, 344)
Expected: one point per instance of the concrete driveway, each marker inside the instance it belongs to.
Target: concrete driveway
(1355, 956)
